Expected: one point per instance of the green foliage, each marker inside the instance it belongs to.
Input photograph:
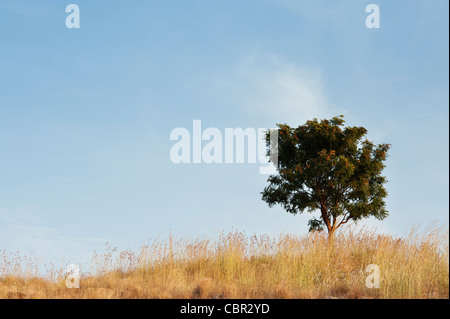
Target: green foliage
(325, 166)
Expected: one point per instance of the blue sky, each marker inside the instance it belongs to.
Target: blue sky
(86, 114)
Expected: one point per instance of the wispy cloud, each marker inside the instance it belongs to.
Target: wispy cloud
(269, 86)
(22, 230)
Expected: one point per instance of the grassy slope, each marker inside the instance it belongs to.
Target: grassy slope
(237, 266)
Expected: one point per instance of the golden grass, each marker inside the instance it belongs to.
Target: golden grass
(238, 266)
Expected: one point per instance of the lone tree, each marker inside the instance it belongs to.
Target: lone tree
(324, 166)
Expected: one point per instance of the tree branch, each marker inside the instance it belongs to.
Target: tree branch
(344, 220)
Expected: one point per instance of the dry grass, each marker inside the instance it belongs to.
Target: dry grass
(238, 266)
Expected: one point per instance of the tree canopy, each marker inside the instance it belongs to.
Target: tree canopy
(323, 166)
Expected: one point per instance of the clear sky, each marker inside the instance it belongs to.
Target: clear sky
(86, 114)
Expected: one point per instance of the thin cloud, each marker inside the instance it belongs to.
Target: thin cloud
(271, 87)
(22, 230)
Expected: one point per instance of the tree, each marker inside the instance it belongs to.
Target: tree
(325, 166)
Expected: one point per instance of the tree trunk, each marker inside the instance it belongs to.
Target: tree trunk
(330, 237)
(330, 228)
